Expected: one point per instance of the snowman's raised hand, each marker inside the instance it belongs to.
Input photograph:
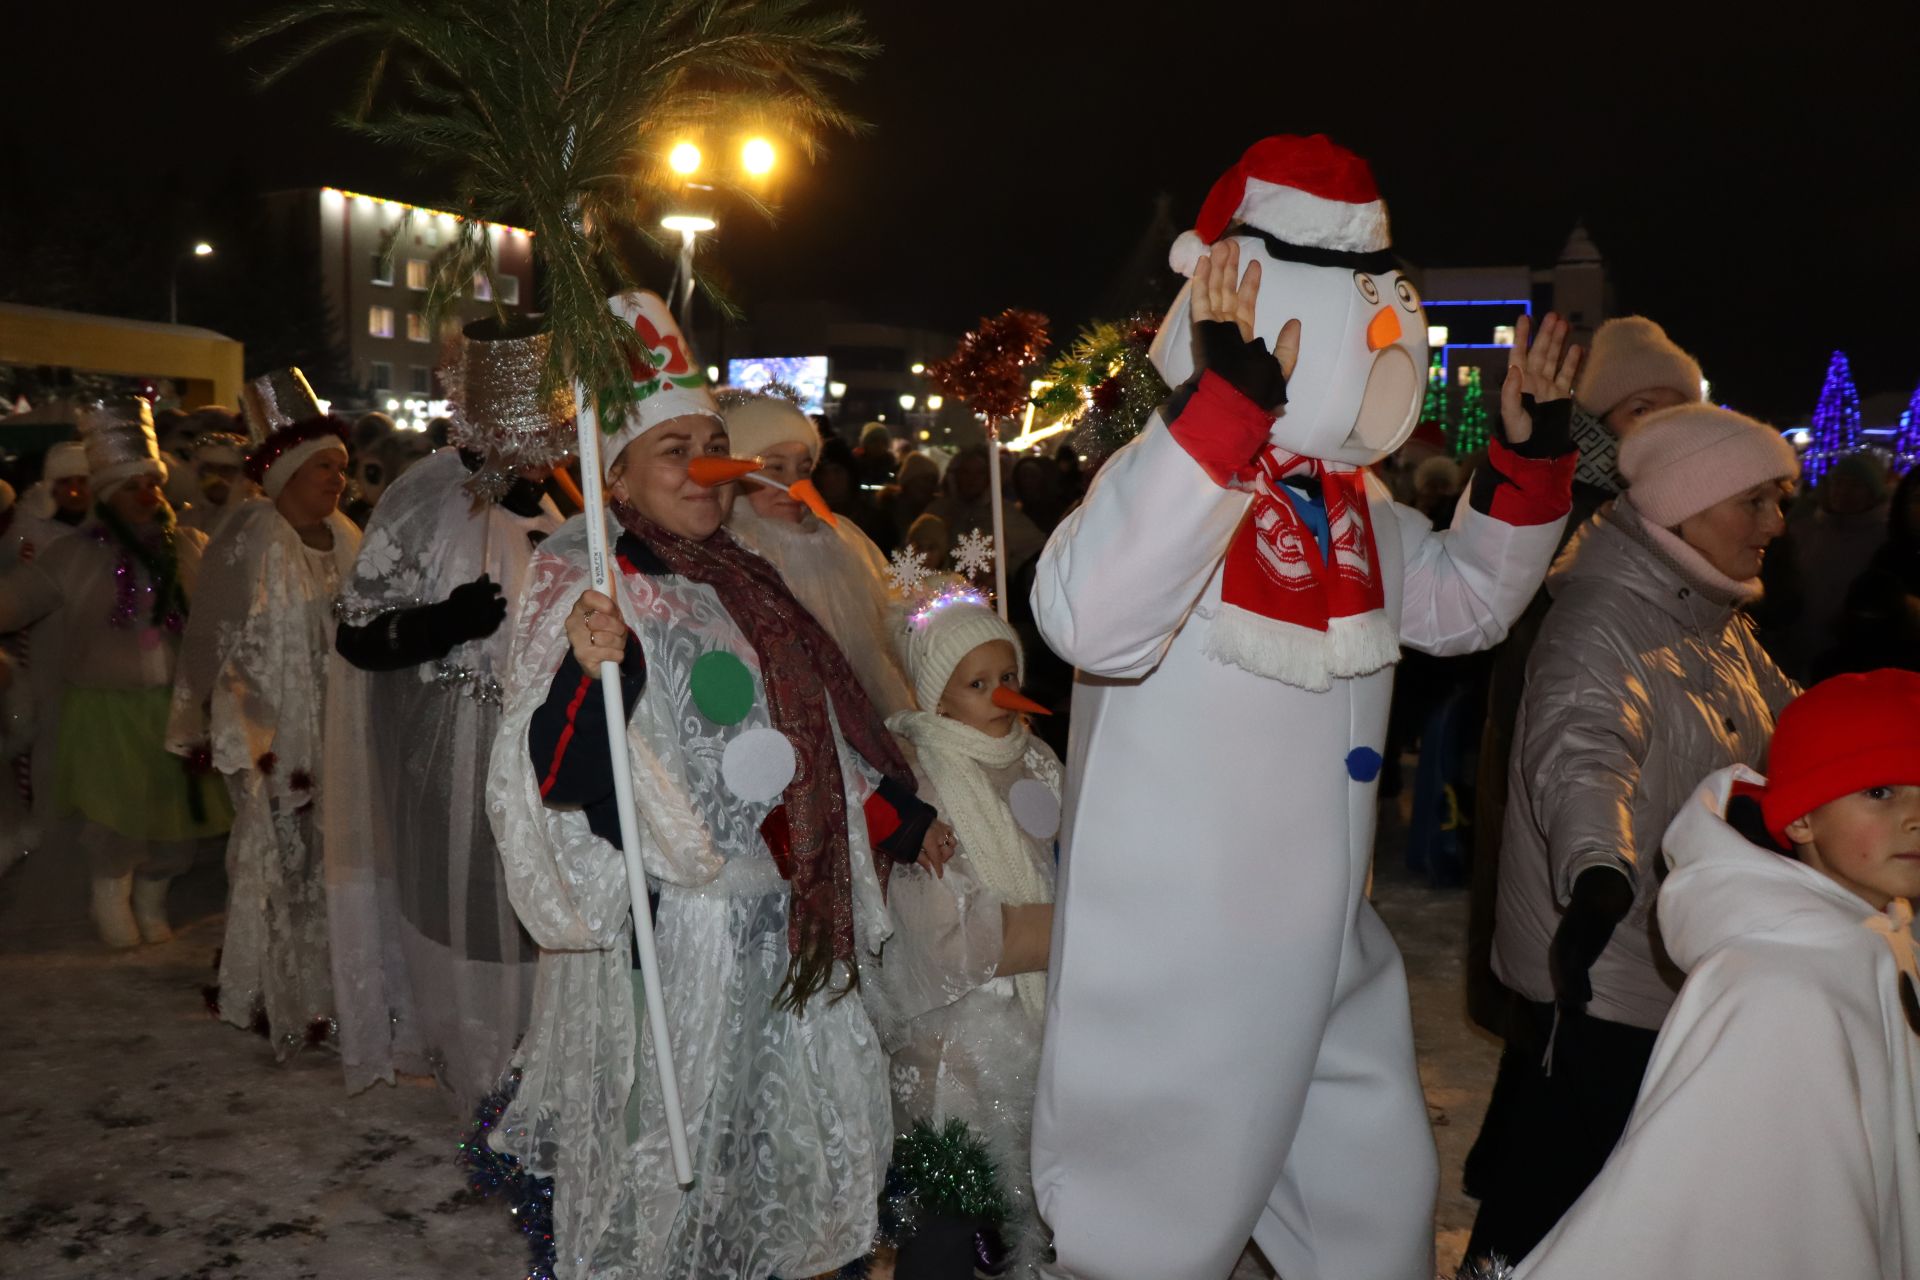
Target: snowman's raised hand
(1223, 305)
(1536, 397)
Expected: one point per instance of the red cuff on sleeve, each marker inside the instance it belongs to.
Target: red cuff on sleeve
(1221, 429)
(882, 819)
(566, 735)
(1536, 490)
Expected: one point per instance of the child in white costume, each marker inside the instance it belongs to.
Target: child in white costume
(961, 983)
(1228, 1045)
(1777, 1133)
(767, 879)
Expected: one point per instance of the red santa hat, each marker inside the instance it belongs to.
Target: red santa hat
(1308, 193)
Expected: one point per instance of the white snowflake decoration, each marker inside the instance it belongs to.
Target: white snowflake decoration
(973, 553)
(907, 570)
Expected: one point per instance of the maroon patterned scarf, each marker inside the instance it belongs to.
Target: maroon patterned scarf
(803, 671)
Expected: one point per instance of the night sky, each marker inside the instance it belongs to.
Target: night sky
(1755, 186)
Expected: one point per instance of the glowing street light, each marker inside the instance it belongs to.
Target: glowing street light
(919, 368)
(684, 159)
(756, 157)
(200, 249)
(934, 403)
(906, 402)
(689, 225)
(838, 390)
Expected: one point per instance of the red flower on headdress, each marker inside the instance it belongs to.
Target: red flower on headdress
(669, 357)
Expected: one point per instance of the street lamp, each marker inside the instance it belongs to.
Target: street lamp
(756, 157)
(201, 249)
(906, 402)
(689, 225)
(684, 159)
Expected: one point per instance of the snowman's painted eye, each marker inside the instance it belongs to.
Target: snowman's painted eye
(1409, 300)
(1365, 284)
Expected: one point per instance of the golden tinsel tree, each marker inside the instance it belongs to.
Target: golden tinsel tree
(555, 115)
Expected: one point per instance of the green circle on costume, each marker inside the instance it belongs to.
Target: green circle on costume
(722, 687)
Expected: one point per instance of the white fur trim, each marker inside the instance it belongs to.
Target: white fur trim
(1299, 656)
(1296, 217)
(115, 474)
(293, 459)
(1188, 249)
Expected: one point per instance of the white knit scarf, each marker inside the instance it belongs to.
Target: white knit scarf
(955, 758)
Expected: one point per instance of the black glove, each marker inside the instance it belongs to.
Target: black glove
(1552, 428)
(1249, 367)
(473, 610)
(1602, 896)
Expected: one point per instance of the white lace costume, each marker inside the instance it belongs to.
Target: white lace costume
(965, 1042)
(251, 688)
(786, 1114)
(432, 974)
(841, 578)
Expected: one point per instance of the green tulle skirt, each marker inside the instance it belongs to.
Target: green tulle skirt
(114, 769)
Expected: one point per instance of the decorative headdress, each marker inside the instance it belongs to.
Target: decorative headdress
(222, 448)
(667, 383)
(498, 408)
(120, 443)
(287, 427)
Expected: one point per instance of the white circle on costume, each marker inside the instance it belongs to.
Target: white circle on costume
(1035, 808)
(758, 765)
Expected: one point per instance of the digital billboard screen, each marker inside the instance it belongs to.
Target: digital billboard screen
(805, 374)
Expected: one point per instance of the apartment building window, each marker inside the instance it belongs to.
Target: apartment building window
(417, 330)
(380, 321)
(422, 378)
(482, 287)
(416, 273)
(382, 269)
(382, 376)
(509, 289)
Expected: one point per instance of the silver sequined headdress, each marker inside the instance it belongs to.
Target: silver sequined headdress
(498, 408)
(118, 435)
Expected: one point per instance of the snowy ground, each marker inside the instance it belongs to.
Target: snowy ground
(147, 1141)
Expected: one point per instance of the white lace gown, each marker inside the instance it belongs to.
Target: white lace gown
(251, 689)
(432, 972)
(963, 1044)
(787, 1114)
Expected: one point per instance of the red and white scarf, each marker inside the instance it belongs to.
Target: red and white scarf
(1287, 611)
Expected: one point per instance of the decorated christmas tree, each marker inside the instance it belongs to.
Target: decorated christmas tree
(1433, 407)
(1471, 424)
(1105, 385)
(1836, 420)
(1906, 441)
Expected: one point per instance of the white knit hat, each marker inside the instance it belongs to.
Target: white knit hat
(669, 385)
(64, 461)
(1682, 460)
(943, 631)
(756, 423)
(1631, 354)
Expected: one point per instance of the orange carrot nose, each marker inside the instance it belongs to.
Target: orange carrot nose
(713, 472)
(1013, 700)
(1383, 330)
(805, 492)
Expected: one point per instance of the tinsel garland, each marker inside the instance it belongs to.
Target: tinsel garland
(1106, 384)
(988, 369)
(162, 564)
(945, 1171)
(493, 1174)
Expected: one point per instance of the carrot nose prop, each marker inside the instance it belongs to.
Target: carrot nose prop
(1013, 700)
(712, 472)
(1383, 330)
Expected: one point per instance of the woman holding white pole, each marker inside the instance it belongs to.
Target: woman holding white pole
(770, 802)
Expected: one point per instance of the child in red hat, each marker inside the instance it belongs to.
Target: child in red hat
(1775, 1134)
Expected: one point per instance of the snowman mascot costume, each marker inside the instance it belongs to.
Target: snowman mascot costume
(1228, 1047)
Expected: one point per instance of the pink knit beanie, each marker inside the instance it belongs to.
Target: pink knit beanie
(1682, 460)
(1633, 354)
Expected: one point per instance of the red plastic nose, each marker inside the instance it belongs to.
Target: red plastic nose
(1383, 330)
(1013, 700)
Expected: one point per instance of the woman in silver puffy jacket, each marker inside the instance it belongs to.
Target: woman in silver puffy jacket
(1646, 677)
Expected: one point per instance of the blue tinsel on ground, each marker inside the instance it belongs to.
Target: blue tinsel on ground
(493, 1173)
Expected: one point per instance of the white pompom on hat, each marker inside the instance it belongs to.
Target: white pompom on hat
(1682, 460)
(944, 631)
(668, 384)
(1310, 192)
(757, 423)
(1629, 354)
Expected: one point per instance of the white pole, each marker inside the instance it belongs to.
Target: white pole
(601, 571)
(999, 520)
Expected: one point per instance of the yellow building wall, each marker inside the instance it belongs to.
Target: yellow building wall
(207, 367)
